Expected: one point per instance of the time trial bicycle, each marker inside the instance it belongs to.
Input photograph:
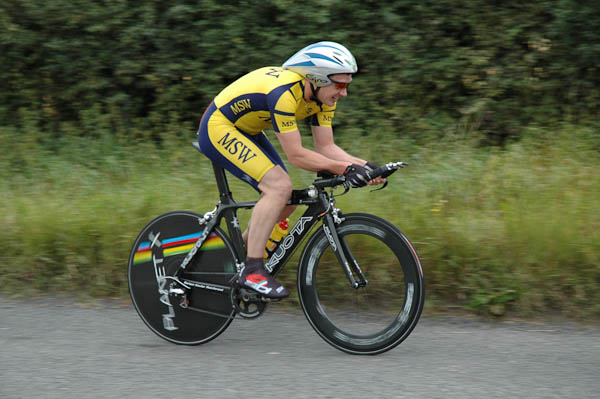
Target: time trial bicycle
(360, 282)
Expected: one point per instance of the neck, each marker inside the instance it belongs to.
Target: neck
(308, 92)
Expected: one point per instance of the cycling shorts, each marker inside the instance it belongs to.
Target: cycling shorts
(246, 156)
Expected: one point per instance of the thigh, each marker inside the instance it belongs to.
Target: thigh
(276, 181)
(263, 142)
(241, 154)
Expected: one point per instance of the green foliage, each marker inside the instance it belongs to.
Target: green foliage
(513, 230)
(99, 101)
(509, 230)
(427, 68)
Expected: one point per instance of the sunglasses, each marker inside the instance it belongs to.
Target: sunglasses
(340, 85)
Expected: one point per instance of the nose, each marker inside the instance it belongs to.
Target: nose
(344, 92)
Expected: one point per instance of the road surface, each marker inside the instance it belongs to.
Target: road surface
(56, 348)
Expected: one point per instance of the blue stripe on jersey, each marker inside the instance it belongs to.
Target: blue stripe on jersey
(276, 93)
(283, 113)
(241, 105)
(292, 93)
(272, 99)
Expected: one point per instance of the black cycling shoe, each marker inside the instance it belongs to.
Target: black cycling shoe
(259, 280)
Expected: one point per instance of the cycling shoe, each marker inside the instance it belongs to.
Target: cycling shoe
(259, 280)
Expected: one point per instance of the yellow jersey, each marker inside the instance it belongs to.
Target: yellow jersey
(269, 96)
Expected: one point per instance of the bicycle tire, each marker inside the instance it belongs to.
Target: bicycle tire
(159, 248)
(372, 319)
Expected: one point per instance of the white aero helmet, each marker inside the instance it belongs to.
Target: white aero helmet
(317, 61)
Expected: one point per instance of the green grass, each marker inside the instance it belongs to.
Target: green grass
(499, 231)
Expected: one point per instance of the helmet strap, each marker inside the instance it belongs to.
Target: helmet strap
(314, 91)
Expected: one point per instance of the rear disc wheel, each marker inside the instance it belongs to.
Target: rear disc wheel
(156, 255)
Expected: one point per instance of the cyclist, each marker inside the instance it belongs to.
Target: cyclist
(307, 85)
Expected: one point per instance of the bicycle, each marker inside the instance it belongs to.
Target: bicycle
(183, 271)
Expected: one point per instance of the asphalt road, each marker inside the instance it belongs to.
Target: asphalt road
(56, 348)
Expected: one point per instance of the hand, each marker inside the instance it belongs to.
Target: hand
(357, 175)
(370, 166)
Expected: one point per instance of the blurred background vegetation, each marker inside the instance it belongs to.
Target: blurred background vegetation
(495, 104)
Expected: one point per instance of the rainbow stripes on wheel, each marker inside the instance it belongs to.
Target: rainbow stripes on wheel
(178, 245)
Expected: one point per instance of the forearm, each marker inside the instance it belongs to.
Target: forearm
(314, 161)
(332, 151)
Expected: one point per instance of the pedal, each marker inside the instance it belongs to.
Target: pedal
(250, 296)
(253, 296)
(265, 299)
(184, 302)
(176, 291)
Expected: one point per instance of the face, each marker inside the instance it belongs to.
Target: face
(331, 93)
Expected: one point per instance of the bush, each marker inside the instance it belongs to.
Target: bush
(427, 68)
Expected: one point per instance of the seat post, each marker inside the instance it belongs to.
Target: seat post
(230, 211)
(222, 184)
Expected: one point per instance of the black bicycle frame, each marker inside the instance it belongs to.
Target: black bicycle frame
(319, 206)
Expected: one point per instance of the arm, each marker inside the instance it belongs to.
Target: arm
(301, 157)
(324, 145)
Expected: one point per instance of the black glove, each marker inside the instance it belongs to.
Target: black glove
(370, 166)
(357, 175)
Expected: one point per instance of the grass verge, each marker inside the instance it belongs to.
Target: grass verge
(513, 230)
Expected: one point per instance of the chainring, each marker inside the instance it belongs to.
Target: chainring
(248, 304)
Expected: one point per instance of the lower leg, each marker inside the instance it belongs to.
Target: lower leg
(260, 227)
(287, 211)
(276, 189)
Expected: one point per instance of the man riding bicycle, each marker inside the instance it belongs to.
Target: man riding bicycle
(308, 85)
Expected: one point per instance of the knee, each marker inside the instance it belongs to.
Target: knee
(286, 188)
(282, 189)
(276, 183)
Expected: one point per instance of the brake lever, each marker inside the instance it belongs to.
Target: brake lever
(381, 188)
(346, 189)
(386, 171)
